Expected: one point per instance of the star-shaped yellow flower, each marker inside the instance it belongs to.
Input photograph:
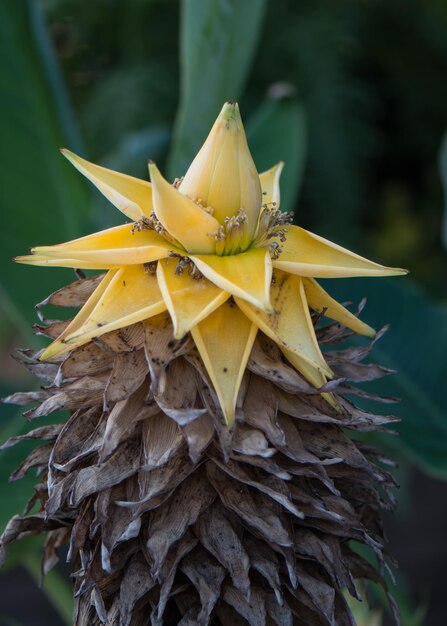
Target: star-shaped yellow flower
(215, 251)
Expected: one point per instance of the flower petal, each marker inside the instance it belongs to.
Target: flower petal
(290, 325)
(114, 246)
(223, 174)
(188, 300)
(319, 300)
(307, 254)
(58, 346)
(131, 296)
(310, 373)
(49, 261)
(224, 340)
(130, 195)
(270, 184)
(185, 220)
(247, 275)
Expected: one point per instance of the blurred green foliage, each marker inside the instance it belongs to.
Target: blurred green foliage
(351, 95)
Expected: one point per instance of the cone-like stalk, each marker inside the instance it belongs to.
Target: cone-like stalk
(173, 518)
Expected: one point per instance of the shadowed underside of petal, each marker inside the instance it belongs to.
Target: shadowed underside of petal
(270, 184)
(185, 220)
(130, 195)
(247, 275)
(58, 345)
(131, 296)
(320, 301)
(307, 254)
(225, 339)
(111, 247)
(290, 324)
(189, 300)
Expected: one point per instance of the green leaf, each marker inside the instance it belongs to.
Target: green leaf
(277, 132)
(43, 200)
(443, 175)
(28, 553)
(416, 347)
(218, 41)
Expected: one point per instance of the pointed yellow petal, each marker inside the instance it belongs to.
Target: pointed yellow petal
(130, 195)
(247, 275)
(132, 296)
(310, 373)
(223, 174)
(319, 300)
(189, 300)
(314, 376)
(225, 339)
(191, 225)
(48, 261)
(270, 184)
(307, 254)
(58, 346)
(114, 246)
(290, 325)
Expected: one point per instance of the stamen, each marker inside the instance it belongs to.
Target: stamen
(142, 224)
(153, 223)
(230, 234)
(272, 225)
(184, 264)
(150, 268)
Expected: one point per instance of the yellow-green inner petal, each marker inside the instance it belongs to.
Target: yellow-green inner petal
(224, 340)
(246, 275)
(189, 300)
(130, 195)
(121, 245)
(223, 174)
(270, 185)
(307, 254)
(319, 300)
(185, 220)
(290, 324)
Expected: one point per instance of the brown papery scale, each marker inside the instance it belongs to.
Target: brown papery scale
(172, 517)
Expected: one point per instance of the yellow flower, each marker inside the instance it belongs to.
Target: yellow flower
(216, 252)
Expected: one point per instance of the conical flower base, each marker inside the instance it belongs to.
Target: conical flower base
(173, 518)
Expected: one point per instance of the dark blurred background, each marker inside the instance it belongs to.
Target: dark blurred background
(352, 95)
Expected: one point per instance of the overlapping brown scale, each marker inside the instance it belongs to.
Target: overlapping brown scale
(173, 518)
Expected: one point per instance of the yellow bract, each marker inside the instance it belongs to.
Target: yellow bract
(225, 339)
(188, 300)
(247, 275)
(307, 254)
(181, 217)
(290, 324)
(209, 249)
(116, 246)
(130, 195)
